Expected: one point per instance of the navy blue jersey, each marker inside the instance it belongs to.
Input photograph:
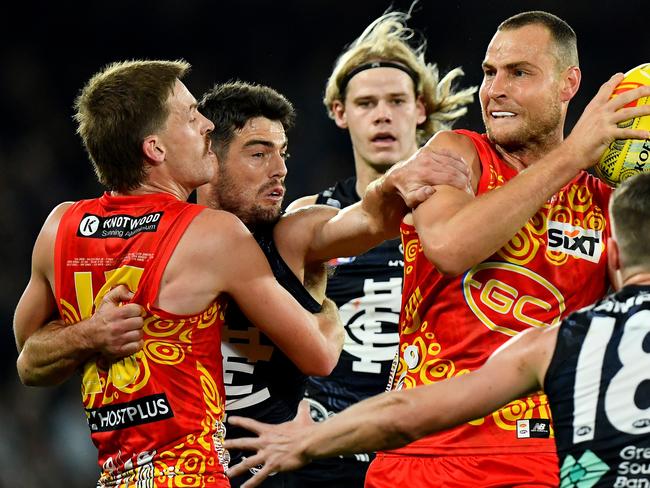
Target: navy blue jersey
(261, 382)
(598, 385)
(367, 289)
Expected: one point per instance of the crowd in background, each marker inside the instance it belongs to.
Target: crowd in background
(289, 45)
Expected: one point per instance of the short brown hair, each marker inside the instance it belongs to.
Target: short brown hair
(119, 106)
(563, 36)
(230, 105)
(630, 209)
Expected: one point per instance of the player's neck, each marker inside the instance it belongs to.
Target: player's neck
(636, 277)
(367, 171)
(366, 174)
(521, 157)
(175, 190)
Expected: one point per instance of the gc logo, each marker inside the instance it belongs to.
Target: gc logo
(492, 291)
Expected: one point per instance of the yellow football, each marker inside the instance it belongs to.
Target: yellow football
(625, 158)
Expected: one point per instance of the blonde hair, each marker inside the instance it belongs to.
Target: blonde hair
(388, 39)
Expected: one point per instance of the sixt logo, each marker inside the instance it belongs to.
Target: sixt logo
(575, 241)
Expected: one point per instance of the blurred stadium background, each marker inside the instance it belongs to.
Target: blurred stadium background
(49, 50)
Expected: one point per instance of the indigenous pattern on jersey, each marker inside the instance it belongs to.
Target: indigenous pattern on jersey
(367, 290)
(450, 325)
(261, 382)
(598, 385)
(155, 416)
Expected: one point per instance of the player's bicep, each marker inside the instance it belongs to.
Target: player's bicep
(339, 233)
(37, 305)
(263, 300)
(35, 308)
(301, 202)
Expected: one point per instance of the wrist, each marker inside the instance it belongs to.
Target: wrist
(85, 331)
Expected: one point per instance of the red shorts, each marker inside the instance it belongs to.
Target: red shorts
(500, 470)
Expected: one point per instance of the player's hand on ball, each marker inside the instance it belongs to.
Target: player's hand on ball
(599, 126)
(624, 158)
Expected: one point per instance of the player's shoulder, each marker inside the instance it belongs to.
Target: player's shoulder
(213, 220)
(458, 142)
(216, 228)
(298, 227)
(308, 214)
(302, 202)
(51, 224)
(452, 138)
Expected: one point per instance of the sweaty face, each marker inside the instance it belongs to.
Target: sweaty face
(381, 113)
(250, 179)
(185, 139)
(520, 92)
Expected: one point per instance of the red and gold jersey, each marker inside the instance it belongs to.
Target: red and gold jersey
(449, 326)
(155, 417)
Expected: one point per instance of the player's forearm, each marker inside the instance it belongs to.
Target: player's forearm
(383, 206)
(52, 354)
(484, 224)
(359, 227)
(331, 329)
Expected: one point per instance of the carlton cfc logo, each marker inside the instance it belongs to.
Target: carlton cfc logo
(508, 298)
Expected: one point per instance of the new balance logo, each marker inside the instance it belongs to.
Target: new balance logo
(539, 427)
(533, 428)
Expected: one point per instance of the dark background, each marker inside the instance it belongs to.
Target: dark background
(49, 50)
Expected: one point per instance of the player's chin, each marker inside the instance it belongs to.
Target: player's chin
(269, 214)
(505, 137)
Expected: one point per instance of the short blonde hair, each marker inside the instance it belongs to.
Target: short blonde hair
(387, 39)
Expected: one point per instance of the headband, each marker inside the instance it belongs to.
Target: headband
(342, 85)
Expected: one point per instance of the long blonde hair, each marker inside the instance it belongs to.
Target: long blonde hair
(389, 39)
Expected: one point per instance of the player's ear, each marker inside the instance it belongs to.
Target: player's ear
(421, 110)
(153, 149)
(338, 110)
(569, 83)
(614, 263)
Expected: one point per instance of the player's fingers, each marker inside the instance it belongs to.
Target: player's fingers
(631, 134)
(130, 336)
(118, 294)
(449, 155)
(258, 477)
(131, 348)
(628, 113)
(628, 96)
(607, 88)
(243, 443)
(131, 324)
(130, 310)
(238, 469)
(248, 424)
(304, 409)
(416, 197)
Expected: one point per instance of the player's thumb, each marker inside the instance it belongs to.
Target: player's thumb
(304, 414)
